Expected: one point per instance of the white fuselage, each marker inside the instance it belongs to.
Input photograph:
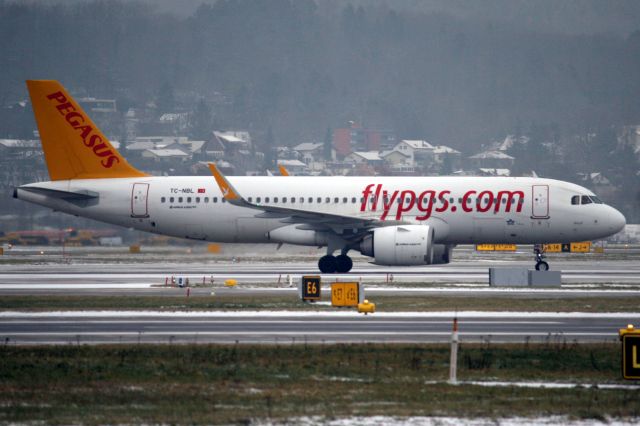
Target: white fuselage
(530, 210)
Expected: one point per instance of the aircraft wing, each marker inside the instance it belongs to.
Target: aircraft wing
(308, 219)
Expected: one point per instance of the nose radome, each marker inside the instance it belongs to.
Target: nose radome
(617, 221)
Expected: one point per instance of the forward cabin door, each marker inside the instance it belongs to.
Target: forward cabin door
(140, 200)
(540, 202)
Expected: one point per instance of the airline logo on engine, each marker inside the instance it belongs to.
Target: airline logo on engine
(89, 138)
(376, 198)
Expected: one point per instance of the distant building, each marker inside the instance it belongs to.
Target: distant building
(419, 151)
(165, 155)
(491, 160)
(309, 152)
(369, 157)
(396, 158)
(19, 148)
(93, 105)
(295, 167)
(357, 138)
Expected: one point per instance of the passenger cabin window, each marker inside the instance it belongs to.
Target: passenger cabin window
(586, 199)
(171, 199)
(163, 199)
(319, 200)
(206, 199)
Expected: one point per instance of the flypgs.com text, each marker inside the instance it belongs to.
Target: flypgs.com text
(375, 197)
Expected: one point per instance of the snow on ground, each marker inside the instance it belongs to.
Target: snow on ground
(549, 385)
(447, 421)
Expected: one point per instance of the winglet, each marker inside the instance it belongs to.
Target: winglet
(283, 171)
(228, 191)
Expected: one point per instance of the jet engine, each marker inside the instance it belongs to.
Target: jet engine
(402, 245)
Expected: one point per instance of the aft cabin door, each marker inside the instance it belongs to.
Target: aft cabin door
(140, 200)
(540, 202)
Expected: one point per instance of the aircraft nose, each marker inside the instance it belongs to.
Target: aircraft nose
(617, 221)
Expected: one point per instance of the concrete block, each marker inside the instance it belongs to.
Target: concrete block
(508, 277)
(545, 278)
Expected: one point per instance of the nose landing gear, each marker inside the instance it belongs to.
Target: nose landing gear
(541, 264)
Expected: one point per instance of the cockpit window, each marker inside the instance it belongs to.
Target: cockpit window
(596, 199)
(575, 200)
(586, 200)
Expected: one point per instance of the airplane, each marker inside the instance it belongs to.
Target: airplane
(396, 221)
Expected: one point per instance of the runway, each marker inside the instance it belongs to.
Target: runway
(619, 278)
(305, 327)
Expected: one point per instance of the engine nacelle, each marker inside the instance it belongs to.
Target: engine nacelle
(442, 253)
(401, 245)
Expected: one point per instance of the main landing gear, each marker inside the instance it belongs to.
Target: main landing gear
(541, 265)
(330, 264)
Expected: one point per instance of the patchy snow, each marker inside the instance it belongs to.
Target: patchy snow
(447, 421)
(552, 385)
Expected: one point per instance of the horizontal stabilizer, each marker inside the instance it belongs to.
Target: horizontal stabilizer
(82, 194)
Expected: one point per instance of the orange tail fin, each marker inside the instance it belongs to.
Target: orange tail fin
(73, 146)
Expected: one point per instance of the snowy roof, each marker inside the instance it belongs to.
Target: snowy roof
(384, 154)
(307, 146)
(417, 144)
(493, 154)
(139, 146)
(228, 138)
(167, 153)
(368, 155)
(196, 145)
(19, 143)
(291, 163)
(442, 149)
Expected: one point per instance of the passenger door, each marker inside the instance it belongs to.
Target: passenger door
(540, 202)
(140, 200)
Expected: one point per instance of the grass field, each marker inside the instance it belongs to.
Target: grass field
(239, 301)
(239, 384)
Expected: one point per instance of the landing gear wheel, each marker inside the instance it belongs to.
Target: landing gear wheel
(542, 266)
(327, 264)
(343, 263)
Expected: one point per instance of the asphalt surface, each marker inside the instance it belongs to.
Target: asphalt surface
(288, 328)
(604, 278)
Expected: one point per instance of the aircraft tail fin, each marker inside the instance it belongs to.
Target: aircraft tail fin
(74, 147)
